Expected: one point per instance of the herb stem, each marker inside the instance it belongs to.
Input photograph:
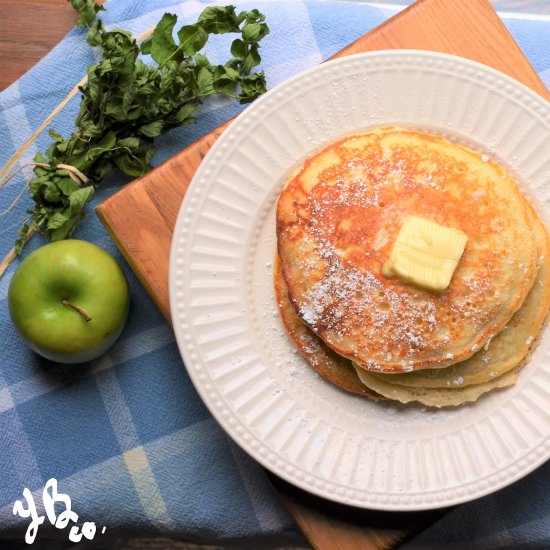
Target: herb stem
(12, 254)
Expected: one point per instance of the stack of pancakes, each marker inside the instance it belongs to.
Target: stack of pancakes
(337, 219)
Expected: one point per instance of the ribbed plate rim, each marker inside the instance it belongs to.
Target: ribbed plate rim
(182, 316)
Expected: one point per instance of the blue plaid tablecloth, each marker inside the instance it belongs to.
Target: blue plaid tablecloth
(127, 437)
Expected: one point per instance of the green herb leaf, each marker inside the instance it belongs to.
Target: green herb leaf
(192, 39)
(238, 49)
(251, 60)
(251, 32)
(66, 186)
(51, 192)
(220, 19)
(79, 198)
(56, 221)
(153, 129)
(129, 142)
(88, 10)
(162, 44)
(56, 136)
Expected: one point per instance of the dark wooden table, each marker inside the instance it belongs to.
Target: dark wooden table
(30, 29)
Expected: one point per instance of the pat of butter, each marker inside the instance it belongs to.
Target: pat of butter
(425, 253)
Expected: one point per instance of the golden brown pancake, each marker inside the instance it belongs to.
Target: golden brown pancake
(507, 349)
(338, 217)
(436, 397)
(443, 387)
(327, 363)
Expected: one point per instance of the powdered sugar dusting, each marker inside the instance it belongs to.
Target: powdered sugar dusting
(345, 222)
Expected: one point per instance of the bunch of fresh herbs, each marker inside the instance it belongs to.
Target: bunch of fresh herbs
(127, 103)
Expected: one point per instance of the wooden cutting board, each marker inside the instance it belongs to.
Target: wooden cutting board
(141, 219)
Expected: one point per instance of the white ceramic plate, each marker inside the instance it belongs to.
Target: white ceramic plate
(341, 447)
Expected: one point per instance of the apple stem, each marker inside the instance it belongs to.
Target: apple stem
(85, 316)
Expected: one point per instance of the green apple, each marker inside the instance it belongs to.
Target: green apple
(69, 301)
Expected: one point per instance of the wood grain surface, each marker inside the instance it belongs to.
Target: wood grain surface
(471, 29)
(29, 30)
